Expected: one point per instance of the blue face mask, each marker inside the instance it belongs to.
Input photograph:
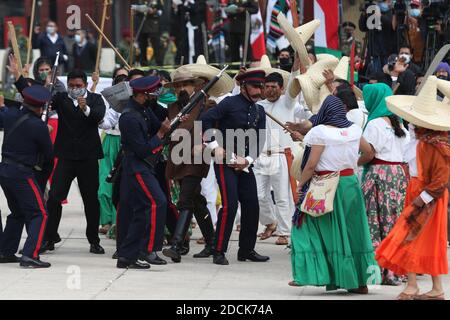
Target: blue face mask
(384, 7)
(414, 12)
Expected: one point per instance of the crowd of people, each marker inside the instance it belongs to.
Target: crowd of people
(354, 182)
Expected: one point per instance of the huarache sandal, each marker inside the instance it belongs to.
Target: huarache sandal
(407, 296)
(426, 296)
(270, 229)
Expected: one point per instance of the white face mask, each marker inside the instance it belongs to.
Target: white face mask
(51, 30)
(407, 57)
(77, 38)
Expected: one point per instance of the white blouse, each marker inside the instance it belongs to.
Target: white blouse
(387, 145)
(341, 146)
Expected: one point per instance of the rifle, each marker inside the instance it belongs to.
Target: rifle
(153, 159)
(51, 88)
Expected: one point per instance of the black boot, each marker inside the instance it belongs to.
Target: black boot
(123, 263)
(204, 221)
(205, 253)
(175, 251)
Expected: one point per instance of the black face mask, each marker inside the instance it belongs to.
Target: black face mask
(183, 98)
(285, 64)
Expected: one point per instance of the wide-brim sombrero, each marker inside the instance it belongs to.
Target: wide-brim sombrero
(298, 37)
(183, 74)
(201, 69)
(312, 80)
(268, 69)
(423, 110)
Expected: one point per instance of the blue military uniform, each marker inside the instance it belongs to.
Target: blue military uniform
(238, 112)
(26, 141)
(142, 206)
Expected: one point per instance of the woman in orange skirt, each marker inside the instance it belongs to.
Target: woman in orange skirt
(418, 241)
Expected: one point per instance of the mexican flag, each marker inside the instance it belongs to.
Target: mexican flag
(327, 11)
(257, 40)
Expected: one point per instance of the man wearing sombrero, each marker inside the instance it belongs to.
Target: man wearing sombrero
(238, 115)
(189, 174)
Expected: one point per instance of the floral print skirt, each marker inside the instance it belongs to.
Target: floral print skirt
(384, 188)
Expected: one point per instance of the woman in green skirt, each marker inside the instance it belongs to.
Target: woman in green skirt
(335, 249)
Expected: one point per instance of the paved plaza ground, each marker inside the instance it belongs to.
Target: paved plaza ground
(77, 274)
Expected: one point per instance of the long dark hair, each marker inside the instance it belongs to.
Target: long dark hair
(395, 124)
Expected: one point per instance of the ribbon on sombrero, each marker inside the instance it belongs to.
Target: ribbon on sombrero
(331, 113)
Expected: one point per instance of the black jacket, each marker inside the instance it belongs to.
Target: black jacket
(85, 57)
(138, 127)
(78, 137)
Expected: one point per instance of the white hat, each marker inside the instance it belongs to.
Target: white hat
(341, 71)
(423, 110)
(313, 79)
(298, 37)
(268, 69)
(203, 70)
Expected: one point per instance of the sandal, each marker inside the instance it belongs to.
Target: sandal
(425, 296)
(282, 241)
(270, 229)
(294, 284)
(407, 296)
(360, 290)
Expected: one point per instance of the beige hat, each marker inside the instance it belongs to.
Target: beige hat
(299, 36)
(423, 110)
(268, 69)
(322, 56)
(201, 69)
(444, 87)
(341, 71)
(313, 79)
(182, 74)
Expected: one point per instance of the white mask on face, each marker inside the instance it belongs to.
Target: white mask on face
(406, 56)
(51, 30)
(77, 38)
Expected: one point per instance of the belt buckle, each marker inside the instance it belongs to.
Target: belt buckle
(269, 153)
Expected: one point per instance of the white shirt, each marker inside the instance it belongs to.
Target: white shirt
(387, 145)
(358, 117)
(110, 122)
(53, 38)
(283, 109)
(341, 146)
(410, 152)
(301, 112)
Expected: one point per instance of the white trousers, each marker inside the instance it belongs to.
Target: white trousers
(210, 191)
(278, 180)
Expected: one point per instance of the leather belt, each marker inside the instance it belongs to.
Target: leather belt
(269, 152)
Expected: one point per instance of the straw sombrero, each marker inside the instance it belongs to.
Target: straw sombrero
(444, 87)
(182, 74)
(268, 69)
(201, 69)
(299, 36)
(313, 79)
(423, 110)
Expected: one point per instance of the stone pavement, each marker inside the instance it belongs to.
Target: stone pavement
(77, 274)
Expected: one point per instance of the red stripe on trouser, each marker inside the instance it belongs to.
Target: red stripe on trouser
(44, 217)
(223, 221)
(151, 241)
